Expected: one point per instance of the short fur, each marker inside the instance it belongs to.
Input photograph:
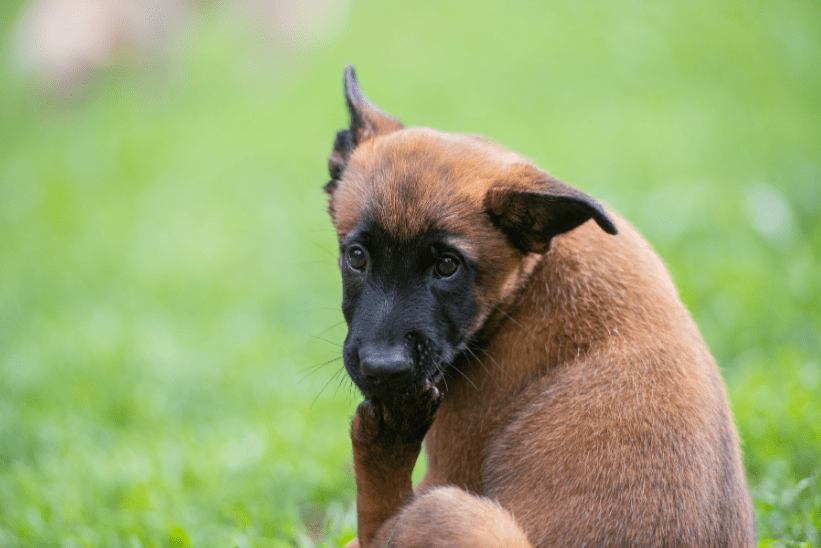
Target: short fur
(565, 396)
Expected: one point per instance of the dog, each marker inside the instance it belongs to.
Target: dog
(536, 344)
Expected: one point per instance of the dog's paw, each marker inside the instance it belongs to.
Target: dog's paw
(402, 420)
(367, 423)
(414, 412)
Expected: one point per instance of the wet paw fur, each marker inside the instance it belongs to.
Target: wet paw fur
(402, 421)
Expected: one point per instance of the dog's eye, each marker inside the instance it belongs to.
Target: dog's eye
(356, 257)
(447, 266)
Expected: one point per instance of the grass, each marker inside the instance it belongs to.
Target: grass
(168, 282)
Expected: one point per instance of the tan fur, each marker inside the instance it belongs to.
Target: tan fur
(593, 414)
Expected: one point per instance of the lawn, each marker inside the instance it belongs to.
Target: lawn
(169, 323)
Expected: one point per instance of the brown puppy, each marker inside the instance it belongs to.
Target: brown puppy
(535, 342)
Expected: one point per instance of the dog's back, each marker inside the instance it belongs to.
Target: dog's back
(620, 424)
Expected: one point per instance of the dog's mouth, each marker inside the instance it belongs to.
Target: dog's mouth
(386, 390)
(428, 362)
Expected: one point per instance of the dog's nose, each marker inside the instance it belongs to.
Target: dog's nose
(390, 364)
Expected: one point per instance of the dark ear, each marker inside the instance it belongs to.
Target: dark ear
(367, 121)
(532, 211)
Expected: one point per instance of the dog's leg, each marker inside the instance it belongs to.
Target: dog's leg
(387, 438)
(449, 517)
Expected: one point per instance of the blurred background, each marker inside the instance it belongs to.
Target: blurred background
(169, 324)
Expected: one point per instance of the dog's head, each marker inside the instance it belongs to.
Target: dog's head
(435, 230)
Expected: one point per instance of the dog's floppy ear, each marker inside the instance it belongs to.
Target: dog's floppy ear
(367, 121)
(531, 207)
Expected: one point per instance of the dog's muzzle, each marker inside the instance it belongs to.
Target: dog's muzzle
(381, 368)
(385, 365)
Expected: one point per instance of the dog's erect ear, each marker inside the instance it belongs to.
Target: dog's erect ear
(536, 207)
(367, 121)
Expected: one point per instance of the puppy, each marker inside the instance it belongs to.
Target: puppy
(534, 341)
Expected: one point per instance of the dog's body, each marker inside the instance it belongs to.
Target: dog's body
(579, 404)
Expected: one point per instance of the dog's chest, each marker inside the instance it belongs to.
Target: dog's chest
(464, 428)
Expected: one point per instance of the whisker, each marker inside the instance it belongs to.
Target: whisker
(316, 309)
(526, 330)
(315, 368)
(497, 364)
(489, 374)
(341, 381)
(326, 386)
(320, 246)
(326, 340)
(466, 378)
(444, 377)
(331, 327)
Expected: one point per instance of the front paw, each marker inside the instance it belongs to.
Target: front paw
(400, 421)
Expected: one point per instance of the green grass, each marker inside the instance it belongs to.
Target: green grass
(168, 281)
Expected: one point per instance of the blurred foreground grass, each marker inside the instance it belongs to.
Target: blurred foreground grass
(168, 278)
